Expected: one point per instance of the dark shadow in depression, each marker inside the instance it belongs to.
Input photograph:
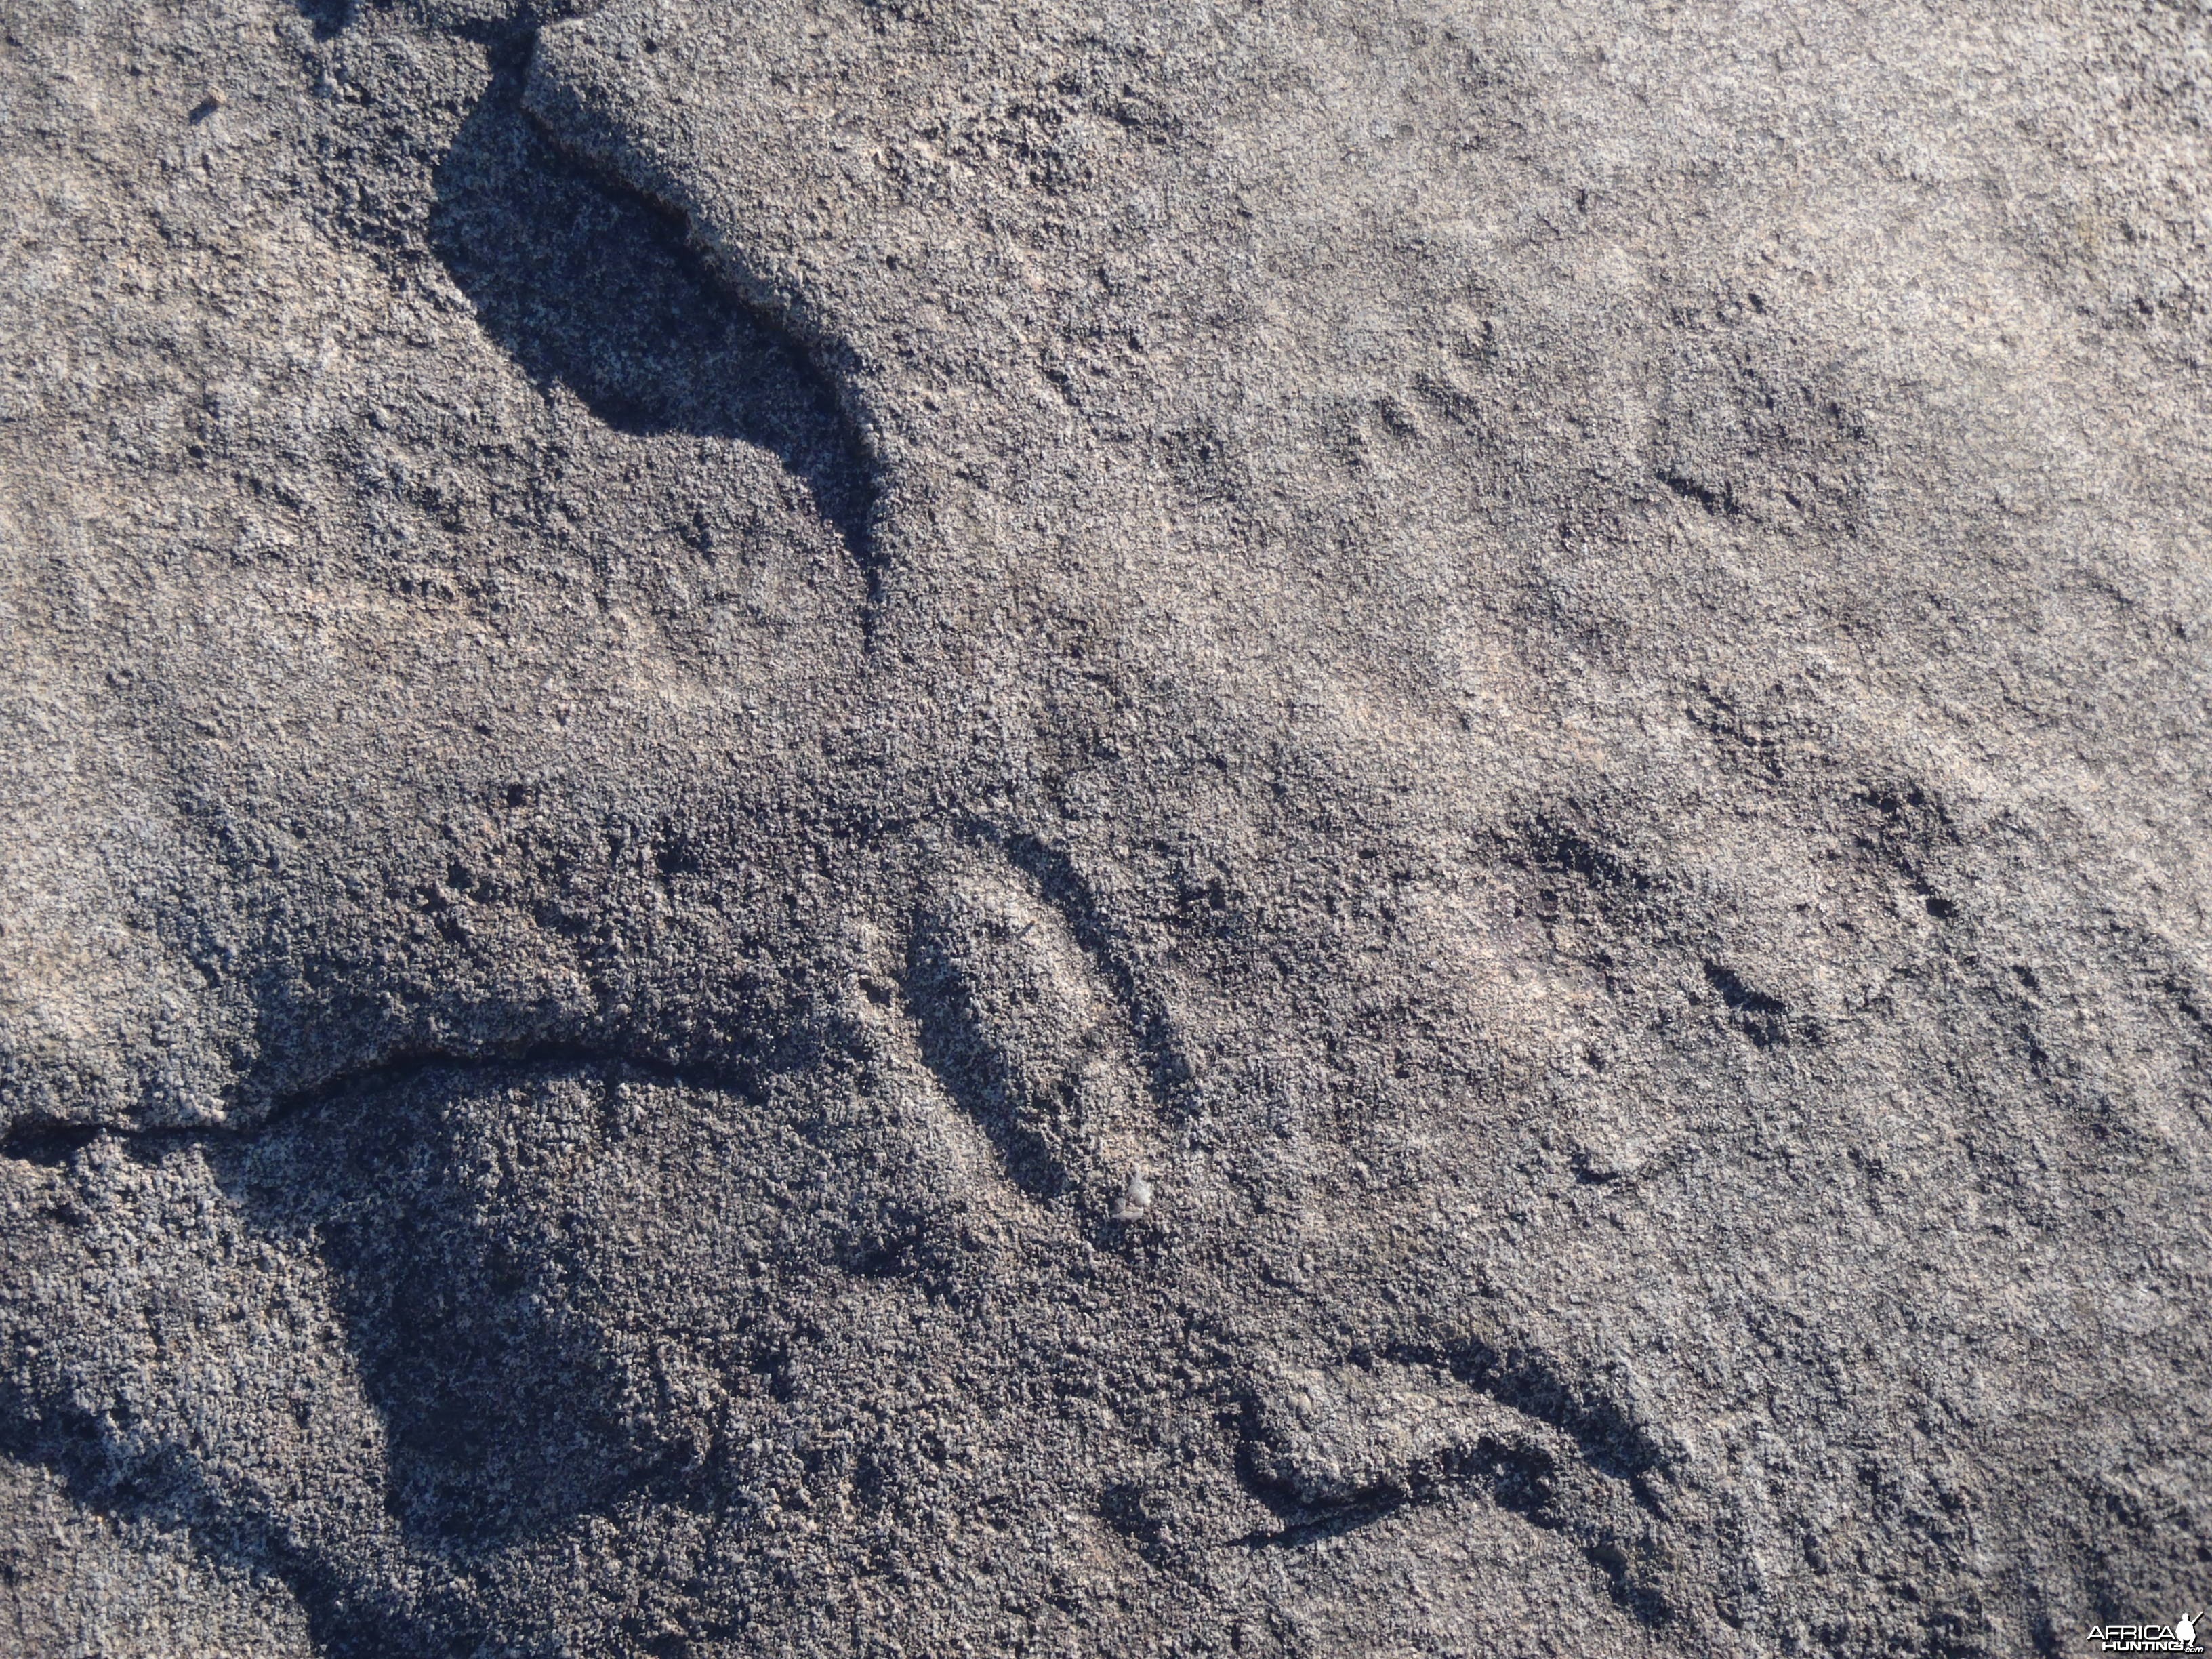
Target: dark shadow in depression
(326, 17)
(501, 1413)
(451, 1205)
(586, 284)
(431, 1193)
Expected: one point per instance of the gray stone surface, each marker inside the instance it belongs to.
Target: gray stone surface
(1307, 830)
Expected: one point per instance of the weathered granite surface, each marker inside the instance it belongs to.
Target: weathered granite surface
(1304, 829)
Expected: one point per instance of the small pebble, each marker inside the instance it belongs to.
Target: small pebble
(1136, 1198)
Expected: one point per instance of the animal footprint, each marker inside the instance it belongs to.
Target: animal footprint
(1329, 1450)
(1021, 1028)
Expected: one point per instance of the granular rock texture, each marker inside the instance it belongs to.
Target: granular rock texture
(859, 828)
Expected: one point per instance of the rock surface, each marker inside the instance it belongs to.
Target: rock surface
(917, 828)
